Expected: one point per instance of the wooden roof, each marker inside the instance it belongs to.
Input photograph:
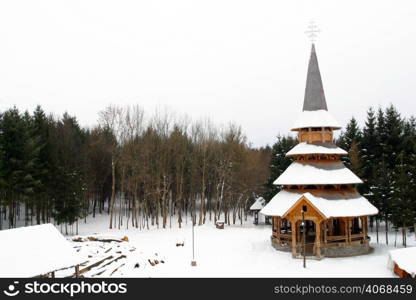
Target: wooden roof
(330, 204)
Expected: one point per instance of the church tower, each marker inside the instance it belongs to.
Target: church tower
(318, 205)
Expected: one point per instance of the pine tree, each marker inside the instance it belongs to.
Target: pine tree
(12, 139)
(369, 158)
(351, 136)
(394, 135)
(278, 164)
(368, 150)
(382, 193)
(354, 159)
(389, 131)
(381, 137)
(404, 198)
(70, 188)
(31, 155)
(43, 165)
(379, 187)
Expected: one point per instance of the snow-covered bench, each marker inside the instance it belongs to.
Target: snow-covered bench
(219, 224)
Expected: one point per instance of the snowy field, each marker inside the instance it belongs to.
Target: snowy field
(233, 252)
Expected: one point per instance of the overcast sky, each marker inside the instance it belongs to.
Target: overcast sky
(230, 60)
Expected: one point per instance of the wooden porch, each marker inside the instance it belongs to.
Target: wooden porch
(320, 233)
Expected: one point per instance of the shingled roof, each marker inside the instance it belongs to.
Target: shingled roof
(315, 111)
(314, 91)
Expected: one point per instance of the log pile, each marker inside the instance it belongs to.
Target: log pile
(98, 239)
(111, 256)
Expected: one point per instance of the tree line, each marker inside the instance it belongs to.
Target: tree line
(383, 154)
(140, 170)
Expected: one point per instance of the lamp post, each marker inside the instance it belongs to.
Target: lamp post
(193, 263)
(304, 209)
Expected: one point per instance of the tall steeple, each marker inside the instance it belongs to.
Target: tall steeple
(318, 194)
(314, 91)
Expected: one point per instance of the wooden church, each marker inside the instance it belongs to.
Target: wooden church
(318, 188)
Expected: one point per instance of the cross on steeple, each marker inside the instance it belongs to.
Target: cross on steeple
(312, 31)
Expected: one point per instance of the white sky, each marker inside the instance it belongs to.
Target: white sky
(230, 60)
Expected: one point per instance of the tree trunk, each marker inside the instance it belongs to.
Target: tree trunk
(202, 205)
(414, 230)
(113, 192)
(395, 237)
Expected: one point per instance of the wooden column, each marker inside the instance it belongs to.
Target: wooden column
(318, 239)
(325, 230)
(349, 230)
(331, 227)
(294, 231)
(365, 227)
(277, 222)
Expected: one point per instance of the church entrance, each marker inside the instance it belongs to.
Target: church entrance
(309, 228)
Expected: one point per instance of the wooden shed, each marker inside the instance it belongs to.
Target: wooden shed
(256, 207)
(35, 251)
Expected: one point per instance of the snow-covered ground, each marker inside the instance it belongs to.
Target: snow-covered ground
(233, 252)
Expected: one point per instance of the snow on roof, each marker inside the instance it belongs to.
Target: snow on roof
(317, 173)
(35, 250)
(280, 203)
(258, 204)
(316, 148)
(315, 118)
(331, 205)
(405, 258)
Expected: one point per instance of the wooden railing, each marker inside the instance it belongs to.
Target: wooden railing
(315, 136)
(333, 240)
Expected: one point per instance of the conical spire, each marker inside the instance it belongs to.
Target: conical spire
(314, 91)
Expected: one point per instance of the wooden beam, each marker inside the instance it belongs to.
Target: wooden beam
(318, 239)
(331, 227)
(297, 233)
(365, 227)
(293, 224)
(348, 222)
(277, 221)
(92, 266)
